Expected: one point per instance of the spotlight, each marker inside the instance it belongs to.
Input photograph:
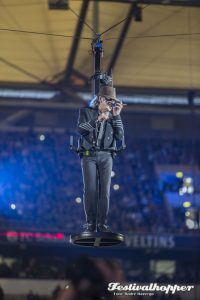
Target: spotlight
(187, 213)
(112, 174)
(186, 204)
(187, 186)
(181, 192)
(42, 137)
(188, 180)
(184, 189)
(78, 200)
(13, 206)
(116, 187)
(192, 218)
(190, 224)
(179, 174)
(190, 190)
(58, 4)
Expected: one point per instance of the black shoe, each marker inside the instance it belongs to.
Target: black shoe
(103, 228)
(88, 227)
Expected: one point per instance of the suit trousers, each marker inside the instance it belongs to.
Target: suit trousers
(96, 171)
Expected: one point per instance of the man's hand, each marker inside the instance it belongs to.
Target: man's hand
(103, 106)
(117, 109)
(103, 116)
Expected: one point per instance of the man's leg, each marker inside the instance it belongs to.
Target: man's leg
(105, 163)
(89, 191)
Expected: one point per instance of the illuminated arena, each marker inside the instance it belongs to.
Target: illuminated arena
(117, 82)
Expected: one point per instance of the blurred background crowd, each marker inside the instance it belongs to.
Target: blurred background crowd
(41, 184)
(58, 268)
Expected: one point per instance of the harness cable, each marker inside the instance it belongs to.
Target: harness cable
(51, 34)
(106, 39)
(84, 22)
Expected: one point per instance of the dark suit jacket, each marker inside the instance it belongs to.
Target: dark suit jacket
(87, 128)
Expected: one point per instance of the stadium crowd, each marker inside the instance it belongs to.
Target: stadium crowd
(60, 293)
(41, 184)
(60, 268)
(96, 272)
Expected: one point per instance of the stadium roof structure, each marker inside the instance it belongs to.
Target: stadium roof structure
(42, 45)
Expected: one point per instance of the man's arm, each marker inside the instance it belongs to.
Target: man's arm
(83, 127)
(118, 128)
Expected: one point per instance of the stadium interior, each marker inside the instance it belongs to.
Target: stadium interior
(46, 66)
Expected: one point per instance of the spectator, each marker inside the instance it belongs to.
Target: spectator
(1, 293)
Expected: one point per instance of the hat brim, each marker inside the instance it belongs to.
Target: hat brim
(110, 97)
